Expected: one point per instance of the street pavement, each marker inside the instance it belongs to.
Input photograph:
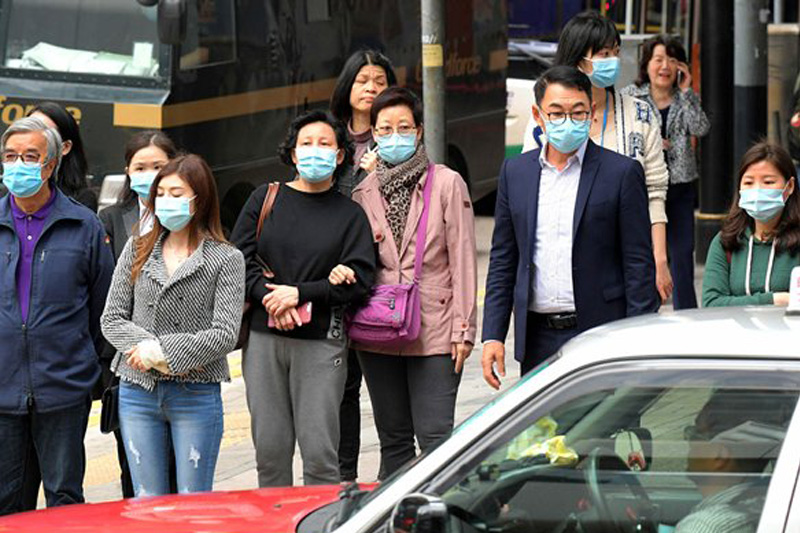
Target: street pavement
(236, 464)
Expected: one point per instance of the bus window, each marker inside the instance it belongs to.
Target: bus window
(210, 34)
(107, 37)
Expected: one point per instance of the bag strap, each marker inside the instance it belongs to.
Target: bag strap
(266, 207)
(423, 225)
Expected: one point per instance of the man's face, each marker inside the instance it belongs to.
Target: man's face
(559, 100)
(30, 146)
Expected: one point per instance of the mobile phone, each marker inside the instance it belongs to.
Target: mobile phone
(680, 77)
(303, 310)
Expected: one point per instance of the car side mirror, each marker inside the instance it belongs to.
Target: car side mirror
(420, 513)
(635, 447)
(171, 21)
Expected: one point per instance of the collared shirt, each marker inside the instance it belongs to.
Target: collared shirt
(736, 509)
(551, 272)
(145, 219)
(29, 228)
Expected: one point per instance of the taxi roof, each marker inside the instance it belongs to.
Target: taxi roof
(754, 332)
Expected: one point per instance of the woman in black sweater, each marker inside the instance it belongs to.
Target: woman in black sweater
(295, 370)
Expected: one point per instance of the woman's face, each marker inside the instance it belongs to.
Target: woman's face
(173, 186)
(396, 119)
(148, 159)
(370, 82)
(585, 64)
(662, 69)
(320, 135)
(764, 175)
(67, 146)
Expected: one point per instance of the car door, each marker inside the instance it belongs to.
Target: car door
(704, 452)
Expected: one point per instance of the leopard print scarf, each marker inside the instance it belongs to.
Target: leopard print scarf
(396, 184)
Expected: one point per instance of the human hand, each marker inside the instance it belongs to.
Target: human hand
(369, 160)
(460, 351)
(288, 320)
(666, 144)
(663, 280)
(685, 77)
(280, 299)
(781, 299)
(494, 353)
(134, 359)
(342, 274)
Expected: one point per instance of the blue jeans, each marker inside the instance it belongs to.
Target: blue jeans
(57, 437)
(191, 413)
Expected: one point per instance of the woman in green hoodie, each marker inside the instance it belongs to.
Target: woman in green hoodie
(751, 259)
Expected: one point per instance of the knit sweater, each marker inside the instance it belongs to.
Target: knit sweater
(724, 281)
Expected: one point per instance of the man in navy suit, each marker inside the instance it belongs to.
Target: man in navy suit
(571, 247)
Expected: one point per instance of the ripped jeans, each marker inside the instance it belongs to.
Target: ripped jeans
(192, 414)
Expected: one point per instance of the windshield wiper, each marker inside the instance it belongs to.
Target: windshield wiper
(350, 497)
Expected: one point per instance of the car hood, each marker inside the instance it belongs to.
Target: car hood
(276, 510)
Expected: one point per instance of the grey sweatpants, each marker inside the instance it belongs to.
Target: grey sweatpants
(294, 389)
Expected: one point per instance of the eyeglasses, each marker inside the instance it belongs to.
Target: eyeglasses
(385, 131)
(558, 118)
(29, 158)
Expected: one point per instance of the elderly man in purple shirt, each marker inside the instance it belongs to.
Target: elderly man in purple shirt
(55, 270)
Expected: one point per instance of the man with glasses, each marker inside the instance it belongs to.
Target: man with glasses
(571, 247)
(55, 270)
(735, 436)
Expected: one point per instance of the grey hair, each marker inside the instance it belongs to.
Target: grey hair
(32, 124)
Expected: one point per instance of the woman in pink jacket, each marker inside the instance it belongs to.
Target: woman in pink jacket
(413, 389)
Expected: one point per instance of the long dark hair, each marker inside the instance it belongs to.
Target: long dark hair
(71, 178)
(339, 129)
(340, 99)
(141, 140)
(586, 31)
(674, 49)
(205, 222)
(737, 221)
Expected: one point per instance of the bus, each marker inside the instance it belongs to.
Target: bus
(224, 78)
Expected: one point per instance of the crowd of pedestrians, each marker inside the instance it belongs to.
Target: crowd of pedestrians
(363, 262)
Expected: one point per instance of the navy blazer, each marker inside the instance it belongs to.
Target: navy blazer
(613, 271)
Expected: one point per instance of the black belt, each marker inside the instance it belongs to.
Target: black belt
(556, 320)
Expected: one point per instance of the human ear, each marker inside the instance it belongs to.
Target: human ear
(538, 116)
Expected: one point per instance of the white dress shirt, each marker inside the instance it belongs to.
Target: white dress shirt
(145, 219)
(551, 271)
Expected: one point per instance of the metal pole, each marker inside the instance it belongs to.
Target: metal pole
(778, 12)
(433, 79)
(716, 163)
(750, 73)
(664, 15)
(628, 17)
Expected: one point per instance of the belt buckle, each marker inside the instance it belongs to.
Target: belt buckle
(562, 321)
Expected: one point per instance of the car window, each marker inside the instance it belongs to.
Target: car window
(677, 451)
(210, 34)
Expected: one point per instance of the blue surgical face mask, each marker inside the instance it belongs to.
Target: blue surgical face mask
(314, 163)
(141, 182)
(22, 180)
(762, 204)
(568, 136)
(397, 148)
(174, 213)
(605, 71)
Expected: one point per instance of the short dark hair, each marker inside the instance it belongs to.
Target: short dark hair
(588, 31)
(395, 96)
(788, 231)
(340, 99)
(137, 142)
(339, 129)
(72, 172)
(566, 76)
(674, 49)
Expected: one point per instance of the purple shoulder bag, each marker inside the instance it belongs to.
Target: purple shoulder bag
(391, 317)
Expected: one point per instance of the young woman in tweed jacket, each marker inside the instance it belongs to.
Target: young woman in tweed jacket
(173, 314)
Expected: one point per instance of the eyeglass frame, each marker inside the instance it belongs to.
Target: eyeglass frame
(558, 122)
(18, 156)
(393, 130)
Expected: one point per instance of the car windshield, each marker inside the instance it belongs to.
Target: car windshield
(102, 37)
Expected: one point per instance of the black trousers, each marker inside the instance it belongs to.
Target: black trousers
(412, 396)
(542, 342)
(350, 420)
(680, 243)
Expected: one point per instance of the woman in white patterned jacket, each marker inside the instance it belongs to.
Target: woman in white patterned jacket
(590, 42)
(173, 314)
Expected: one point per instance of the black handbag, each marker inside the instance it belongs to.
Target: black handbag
(109, 414)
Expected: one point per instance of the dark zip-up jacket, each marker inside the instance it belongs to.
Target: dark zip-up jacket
(50, 362)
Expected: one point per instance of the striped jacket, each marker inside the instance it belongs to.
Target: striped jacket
(195, 314)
